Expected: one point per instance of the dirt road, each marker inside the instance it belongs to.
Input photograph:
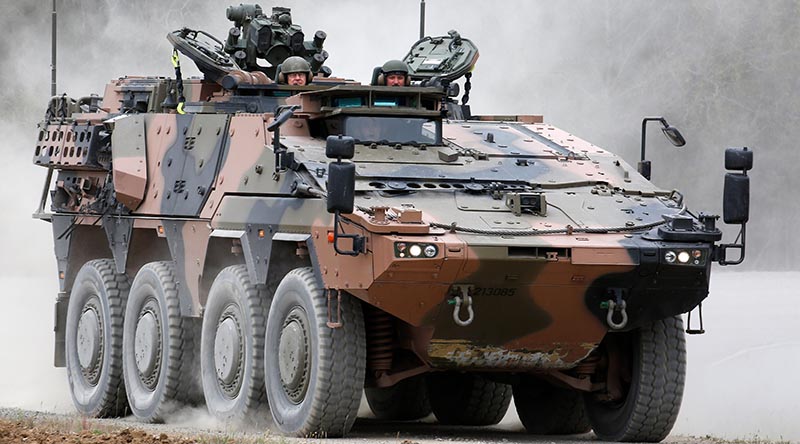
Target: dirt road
(28, 427)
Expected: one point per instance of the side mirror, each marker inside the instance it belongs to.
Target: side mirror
(341, 187)
(738, 159)
(340, 147)
(284, 114)
(674, 136)
(736, 195)
(342, 191)
(341, 176)
(736, 199)
(735, 202)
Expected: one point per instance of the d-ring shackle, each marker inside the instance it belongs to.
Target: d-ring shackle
(467, 300)
(612, 307)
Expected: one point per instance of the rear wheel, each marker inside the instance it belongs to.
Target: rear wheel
(467, 399)
(158, 345)
(314, 374)
(548, 410)
(652, 394)
(232, 362)
(94, 340)
(405, 401)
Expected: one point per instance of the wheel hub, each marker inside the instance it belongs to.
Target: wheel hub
(227, 345)
(89, 342)
(293, 355)
(147, 350)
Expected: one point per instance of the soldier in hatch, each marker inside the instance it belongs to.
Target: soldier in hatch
(394, 73)
(295, 71)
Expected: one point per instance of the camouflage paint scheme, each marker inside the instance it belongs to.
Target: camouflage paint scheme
(140, 182)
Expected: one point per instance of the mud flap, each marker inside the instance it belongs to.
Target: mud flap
(60, 329)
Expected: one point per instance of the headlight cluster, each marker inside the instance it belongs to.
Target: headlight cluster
(681, 257)
(414, 250)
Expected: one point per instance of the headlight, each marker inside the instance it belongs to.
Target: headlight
(685, 257)
(414, 250)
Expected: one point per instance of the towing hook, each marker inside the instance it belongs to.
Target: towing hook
(464, 299)
(467, 300)
(614, 307)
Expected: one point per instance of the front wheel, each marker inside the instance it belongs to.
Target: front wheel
(314, 373)
(545, 409)
(654, 357)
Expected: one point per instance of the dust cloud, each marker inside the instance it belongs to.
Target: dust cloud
(727, 73)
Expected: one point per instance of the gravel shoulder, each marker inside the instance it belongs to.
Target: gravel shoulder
(194, 427)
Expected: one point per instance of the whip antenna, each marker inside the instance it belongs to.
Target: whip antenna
(53, 56)
(421, 18)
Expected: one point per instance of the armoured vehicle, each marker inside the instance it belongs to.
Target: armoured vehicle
(241, 242)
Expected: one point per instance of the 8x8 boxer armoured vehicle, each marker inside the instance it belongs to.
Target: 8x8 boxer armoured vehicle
(241, 241)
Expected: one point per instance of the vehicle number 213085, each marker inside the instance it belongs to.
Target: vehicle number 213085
(493, 291)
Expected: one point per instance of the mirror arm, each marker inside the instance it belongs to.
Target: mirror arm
(359, 246)
(720, 254)
(644, 130)
(282, 115)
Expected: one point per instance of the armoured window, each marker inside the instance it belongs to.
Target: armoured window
(405, 130)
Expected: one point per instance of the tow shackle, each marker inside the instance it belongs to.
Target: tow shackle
(617, 307)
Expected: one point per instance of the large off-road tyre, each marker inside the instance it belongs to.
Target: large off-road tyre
(548, 410)
(653, 399)
(467, 399)
(405, 401)
(94, 340)
(159, 347)
(314, 373)
(232, 346)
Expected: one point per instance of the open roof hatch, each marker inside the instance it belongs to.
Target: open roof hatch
(446, 57)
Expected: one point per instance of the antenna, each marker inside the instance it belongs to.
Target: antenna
(53, 58)
(49, 178)
(421, 19)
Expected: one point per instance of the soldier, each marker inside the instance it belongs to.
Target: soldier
(395, 73)
(295, 71)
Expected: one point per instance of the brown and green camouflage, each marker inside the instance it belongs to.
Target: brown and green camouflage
(497, 244)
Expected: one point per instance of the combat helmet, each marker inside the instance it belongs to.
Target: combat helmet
(292, 65)
(393, 67)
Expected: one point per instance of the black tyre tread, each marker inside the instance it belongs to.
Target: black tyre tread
(341, 365)
(657, 401)
(405, 401)
(548, 410)
(181, 383)
(257, 301)
(468, 399)
(114, 400)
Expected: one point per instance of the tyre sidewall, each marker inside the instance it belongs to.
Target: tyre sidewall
(291, 293)
(89, 283)
(226, 291)
(143, 401)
